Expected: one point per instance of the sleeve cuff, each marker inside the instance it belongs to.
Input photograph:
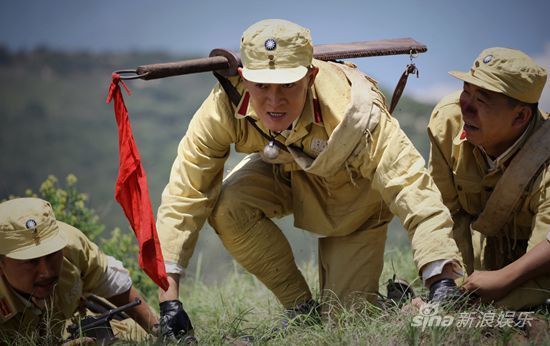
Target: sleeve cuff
(116, 279)
(436, 267)
(174, 268)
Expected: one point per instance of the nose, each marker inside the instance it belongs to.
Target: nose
(45, 268)
(275, 95)
(466, 105)
(464, 100)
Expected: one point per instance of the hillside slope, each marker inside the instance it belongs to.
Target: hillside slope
(55, 121)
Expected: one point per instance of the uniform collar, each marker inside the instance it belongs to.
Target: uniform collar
(503, 159)
(12, 302)
(243, 110)
(461, 136)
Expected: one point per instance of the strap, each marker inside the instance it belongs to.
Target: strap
(229, 89)
(398, 91)
(361, 117)
(512, 184)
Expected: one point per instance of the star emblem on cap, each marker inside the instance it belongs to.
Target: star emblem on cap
(30, 224)
(270, 44)
(487, 59)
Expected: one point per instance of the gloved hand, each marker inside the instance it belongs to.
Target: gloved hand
(174, 322)
(444, 291)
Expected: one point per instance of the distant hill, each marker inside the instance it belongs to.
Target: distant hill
(55, 121)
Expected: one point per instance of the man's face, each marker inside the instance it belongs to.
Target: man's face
(37, 276)
(278, 105)
(490, 120)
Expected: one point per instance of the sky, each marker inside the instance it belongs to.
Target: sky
(454, 31)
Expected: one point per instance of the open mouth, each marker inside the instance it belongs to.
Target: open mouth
(46, 283)
(276, 114)
(470, 127)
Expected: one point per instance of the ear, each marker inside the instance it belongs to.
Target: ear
(312, 74)
(240, 71)
(523, 116)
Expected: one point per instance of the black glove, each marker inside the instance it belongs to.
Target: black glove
(444, 291)
(174, 321)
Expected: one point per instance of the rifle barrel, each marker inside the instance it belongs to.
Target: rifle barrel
(100, 319)
(368, 48)
(155, 71)
(225, 61)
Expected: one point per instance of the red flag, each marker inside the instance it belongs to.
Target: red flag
(132, 193)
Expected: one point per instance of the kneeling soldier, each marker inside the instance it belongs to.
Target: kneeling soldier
(489, 158)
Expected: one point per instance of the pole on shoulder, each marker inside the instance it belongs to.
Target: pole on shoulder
(226, 62)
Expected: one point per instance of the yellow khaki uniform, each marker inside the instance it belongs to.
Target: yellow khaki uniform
(462, 174)
(83, 269)
(354, 181)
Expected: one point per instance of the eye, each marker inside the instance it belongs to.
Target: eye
(288, 85)
(30, 262)
(52, 255)
(466, 89)
(481, 100)
(261, 85)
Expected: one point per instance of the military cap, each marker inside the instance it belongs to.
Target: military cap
(29, 229)
(276, 51)
(507, 71)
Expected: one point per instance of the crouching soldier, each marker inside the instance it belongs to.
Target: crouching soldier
(489, 158)
(323, 148)
(46, 266)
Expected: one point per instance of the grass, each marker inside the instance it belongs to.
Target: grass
(239, 308)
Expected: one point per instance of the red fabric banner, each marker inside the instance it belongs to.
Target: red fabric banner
(132, 193)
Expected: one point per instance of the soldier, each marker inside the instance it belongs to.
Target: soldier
(489, 158)
(46, 266)
(325, 149)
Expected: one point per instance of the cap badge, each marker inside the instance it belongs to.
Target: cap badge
(270, 44)
(30, 224)
(487, 59)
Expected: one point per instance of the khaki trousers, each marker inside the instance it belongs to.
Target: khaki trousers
(253, 194)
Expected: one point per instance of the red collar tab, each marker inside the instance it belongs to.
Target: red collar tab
(244, 104)
(317, 112)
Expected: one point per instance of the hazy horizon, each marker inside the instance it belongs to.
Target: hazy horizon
(455, 32)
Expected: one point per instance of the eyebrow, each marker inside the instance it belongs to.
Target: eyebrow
(484, 92)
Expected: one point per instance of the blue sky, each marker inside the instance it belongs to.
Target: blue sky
(454, 31)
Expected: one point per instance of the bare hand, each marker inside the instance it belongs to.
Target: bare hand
(488, 285)
(414, 306)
